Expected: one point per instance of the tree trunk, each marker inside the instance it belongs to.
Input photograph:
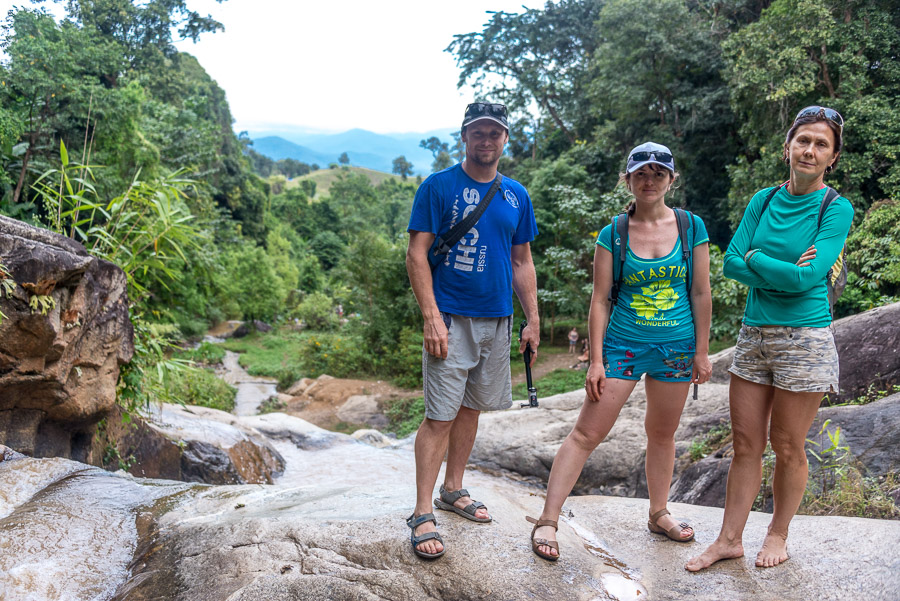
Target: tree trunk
(21, 182)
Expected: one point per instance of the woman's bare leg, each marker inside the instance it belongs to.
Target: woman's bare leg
(594, 423)
(665, 402)
(792, 416)
(751, 406)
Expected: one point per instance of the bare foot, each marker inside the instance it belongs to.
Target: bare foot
(463, 502)
(773, 552)
(547, 533)
(715, 552)
(431, 545)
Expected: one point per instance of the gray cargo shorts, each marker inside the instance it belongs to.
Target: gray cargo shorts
(795, 359)
(475, 373)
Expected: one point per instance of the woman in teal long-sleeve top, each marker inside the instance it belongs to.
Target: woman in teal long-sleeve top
(785, 358)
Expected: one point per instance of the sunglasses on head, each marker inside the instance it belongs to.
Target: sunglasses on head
(481, 108)
(830, 114)
(662, 157)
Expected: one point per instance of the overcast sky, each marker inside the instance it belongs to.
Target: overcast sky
(334, 65)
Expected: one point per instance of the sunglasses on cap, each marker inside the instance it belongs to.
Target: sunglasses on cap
(640, 157)
(485, 108)
(830, 114)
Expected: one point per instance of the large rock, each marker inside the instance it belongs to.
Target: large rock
(525, 441)
(198, 444)
(872, 432)
(869, 348)
(58, 370)
(332, 527)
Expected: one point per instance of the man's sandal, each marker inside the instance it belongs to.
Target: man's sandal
(414, 522)
(447, 500)
(674, 532)
(538, 542)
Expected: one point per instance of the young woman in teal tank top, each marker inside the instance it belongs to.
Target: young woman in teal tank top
(785, 358)
(655, 330)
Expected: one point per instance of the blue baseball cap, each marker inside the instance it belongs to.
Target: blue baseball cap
(650, 152)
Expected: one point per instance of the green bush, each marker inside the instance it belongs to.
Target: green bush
(317, 311)
(206, 353)
(201, 387)
(404, 415)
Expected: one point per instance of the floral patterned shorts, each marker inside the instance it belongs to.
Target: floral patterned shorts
(666, 362)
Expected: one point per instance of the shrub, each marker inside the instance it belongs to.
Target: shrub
(201, 387)
(317, 311)
(404, 415)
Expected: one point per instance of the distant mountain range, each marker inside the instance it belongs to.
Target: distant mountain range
(365, 148)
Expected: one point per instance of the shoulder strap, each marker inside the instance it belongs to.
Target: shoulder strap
(770, 196)
(444, 244)
(620, 234)
(830, 196)
(684, 219)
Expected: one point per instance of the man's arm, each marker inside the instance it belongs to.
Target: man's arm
(524, 282)
(419, 270)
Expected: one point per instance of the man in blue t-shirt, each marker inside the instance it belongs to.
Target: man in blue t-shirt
(466, 302)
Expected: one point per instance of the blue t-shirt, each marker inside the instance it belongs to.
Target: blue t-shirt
(653, 303)
(475, 278)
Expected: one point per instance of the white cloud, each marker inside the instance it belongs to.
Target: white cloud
(336, 65)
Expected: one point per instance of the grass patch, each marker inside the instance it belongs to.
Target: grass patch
(720, 344)
(324, 178)
(871, 395)
(271, 405)
(837, 485)
(273, 355)
(709, 443)
(517, 363)
(198, 386)
(404, 415)
(556, 382)
(206, 354)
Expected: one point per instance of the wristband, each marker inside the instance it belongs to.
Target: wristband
(750, 254)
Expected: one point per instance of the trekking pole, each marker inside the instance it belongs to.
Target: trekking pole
(532, 392)
(695, 392)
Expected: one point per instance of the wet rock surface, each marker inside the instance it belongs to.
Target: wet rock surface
(332, 527)
(58, 369)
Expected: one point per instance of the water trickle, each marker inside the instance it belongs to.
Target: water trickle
(68, 531)
(623, 585)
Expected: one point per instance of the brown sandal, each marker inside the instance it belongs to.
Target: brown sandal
(674, 533)
(537, 542)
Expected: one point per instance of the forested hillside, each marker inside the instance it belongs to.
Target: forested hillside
(111, 136)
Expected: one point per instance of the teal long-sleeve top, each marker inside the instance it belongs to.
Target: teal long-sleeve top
(781, 293)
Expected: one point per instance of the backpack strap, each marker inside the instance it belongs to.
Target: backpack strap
(770, 196)
(830, 196)
(620, 246)
(685, 220)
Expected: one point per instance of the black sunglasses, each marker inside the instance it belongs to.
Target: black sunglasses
(662, 157)
(481, 108)
(830, 114)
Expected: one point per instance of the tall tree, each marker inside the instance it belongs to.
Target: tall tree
(402, 167)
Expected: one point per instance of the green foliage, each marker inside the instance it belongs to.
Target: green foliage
(710, 442)
(198, 386)
(251, 282)
(271, 405)
(729, 299)
(317, 312)
(556, 382)
(873, 256)
(275, 355)
(404, 415)
(206, 354)
(402, 167)
(837, 53)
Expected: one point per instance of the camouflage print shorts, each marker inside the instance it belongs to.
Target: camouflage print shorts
(795, 359)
